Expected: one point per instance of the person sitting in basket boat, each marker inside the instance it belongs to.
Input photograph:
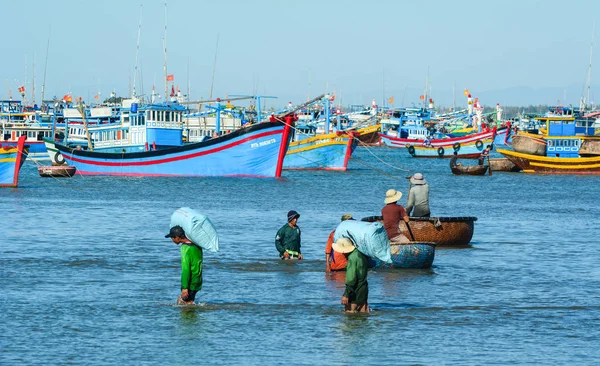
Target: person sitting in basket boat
(287, 240)
(418, 197)
(393, 213)
(454, 161)
(335, 261)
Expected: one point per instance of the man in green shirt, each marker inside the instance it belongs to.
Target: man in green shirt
(191, 266)
(287, 240)
(355, 298)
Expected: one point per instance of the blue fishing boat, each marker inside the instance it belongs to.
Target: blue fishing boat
(469, 150)
(253, 151)
(17, 121)
(415, 255)
(329, 150)
(11, 160)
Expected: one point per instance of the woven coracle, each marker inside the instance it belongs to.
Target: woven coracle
(444, 231)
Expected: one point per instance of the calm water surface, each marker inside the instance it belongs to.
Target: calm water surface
(88, 277)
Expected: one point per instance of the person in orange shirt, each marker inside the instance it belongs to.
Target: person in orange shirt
(335, 261)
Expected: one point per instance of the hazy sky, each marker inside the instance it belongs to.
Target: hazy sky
(293, 49)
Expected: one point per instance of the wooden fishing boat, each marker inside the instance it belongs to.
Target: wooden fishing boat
(553, 165)
(393, 141)
(330, 151)
(254, 151)
(444, 231)
(369, 136)
(528, 144)
(469, 169)
(469, 150)
(503, 165)
(11, 161)
(56, 171)
(415, 255)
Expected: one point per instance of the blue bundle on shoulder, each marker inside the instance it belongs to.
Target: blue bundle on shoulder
(369, 238)
(198, 228)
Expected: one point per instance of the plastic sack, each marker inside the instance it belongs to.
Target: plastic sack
(369, 238)
(198, 228)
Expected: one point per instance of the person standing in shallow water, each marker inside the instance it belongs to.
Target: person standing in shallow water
(335, 261)
(191, 266)
(356, 295)
(287, 240)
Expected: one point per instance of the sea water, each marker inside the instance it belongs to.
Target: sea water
(87, 276)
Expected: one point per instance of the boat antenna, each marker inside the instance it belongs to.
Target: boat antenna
(137, 51)
(25, 82)
(589, 80)
(46, 65)
(33, 84)
(165, 55)
(188, 81)
(214, 67)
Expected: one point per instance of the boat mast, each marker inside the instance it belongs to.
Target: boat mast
(137, 51)
(45, 67)
(589, 79)
(214, 68)
(25, 83)
(33, 83)
(165, 55)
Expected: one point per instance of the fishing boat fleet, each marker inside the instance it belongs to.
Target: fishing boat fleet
(136, 138)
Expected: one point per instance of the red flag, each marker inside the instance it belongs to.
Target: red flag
(172, 90)
(170, 77)
(21, 89)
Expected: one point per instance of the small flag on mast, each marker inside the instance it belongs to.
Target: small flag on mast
(170, 77)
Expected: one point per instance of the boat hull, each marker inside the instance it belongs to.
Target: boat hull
(11, 161)
(413, 255)
(57, 171)
(392, 141)
(321, 152)
(549, 165)
(255, 151)
(469, 169)
(469, 150)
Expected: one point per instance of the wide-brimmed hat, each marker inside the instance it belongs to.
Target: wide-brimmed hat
(292, 215)
(347, 217)
(343, 245)
(392, 196)
(418, 179)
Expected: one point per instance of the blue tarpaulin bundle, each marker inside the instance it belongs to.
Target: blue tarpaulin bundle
(198, 228)
(369, 238)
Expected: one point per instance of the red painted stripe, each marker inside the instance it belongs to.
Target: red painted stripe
(174, 175)
(339, 169)
(168, 160)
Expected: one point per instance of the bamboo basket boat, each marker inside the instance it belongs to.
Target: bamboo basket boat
(529, 145)
(469, 169)
(414, 255)
(444, 231)
(503, 165)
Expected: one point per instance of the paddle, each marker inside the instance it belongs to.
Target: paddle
(489, 167)
(410, 231)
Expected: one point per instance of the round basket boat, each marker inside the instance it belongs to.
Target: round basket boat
(444, 231)
(415, 255)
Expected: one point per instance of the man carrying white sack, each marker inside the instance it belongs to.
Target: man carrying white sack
(195, 232)
(191, 266)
